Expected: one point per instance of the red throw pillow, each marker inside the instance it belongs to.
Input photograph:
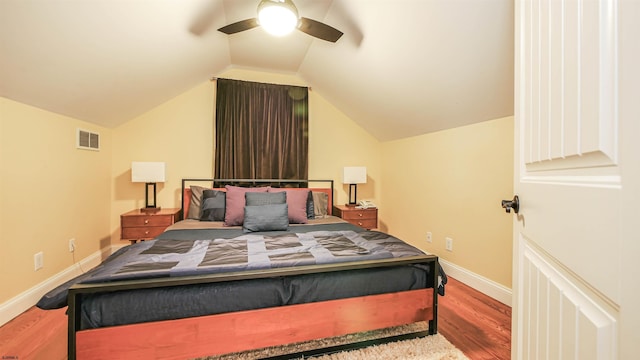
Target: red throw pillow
(297, 203)
(234, 212)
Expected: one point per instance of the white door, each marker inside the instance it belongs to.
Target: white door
(577, 90)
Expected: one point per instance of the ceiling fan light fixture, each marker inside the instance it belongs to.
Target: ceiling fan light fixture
(277, 17)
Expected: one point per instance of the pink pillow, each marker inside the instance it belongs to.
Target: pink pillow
(297, 204)
(234, 212)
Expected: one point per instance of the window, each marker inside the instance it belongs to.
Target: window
(261, 131)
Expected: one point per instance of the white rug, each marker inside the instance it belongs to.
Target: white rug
(433, 347)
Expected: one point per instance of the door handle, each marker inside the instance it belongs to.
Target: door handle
(512, 204)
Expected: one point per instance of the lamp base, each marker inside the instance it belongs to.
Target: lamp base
(150, 210)
(353, 195)
(350, 205)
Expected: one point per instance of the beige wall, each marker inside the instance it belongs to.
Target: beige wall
(335, 141)
(450, 183)
(50, 191)
(181, 132)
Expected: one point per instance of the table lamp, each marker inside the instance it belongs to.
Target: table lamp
(354, 175)
(149, 173)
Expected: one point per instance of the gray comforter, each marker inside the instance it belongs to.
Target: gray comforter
(183, 253)
(166, 257)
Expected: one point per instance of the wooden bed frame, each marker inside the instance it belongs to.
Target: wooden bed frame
(251, 329)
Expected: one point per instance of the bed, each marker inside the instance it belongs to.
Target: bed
(248, 267)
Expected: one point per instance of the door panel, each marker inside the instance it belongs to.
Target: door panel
(561, 317)
(568, 72)
(567, 236)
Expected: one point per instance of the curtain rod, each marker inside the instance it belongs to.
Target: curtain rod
(213, 78)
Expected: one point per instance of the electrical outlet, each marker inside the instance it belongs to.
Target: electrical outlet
(428, 236)
(72, 245)
(448, 244)
(38, 261)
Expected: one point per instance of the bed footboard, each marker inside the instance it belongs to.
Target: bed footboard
(251, 329)
(254, 329)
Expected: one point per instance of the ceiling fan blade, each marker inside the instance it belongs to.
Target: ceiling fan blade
(239, 26)
(319, 30)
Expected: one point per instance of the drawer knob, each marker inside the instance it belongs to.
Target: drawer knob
(146, 221)
(360, 214)
(359, 223)
(146, 232)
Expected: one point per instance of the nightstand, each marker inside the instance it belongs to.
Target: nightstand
(365, 218)
(137, 225)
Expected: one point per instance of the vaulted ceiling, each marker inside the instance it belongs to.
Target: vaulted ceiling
(402, 68)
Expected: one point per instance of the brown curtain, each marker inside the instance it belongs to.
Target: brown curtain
(261, 131)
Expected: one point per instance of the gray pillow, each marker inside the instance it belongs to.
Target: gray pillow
(310, 212)
(320, 203)
(255, 199)
(196, 200)
(213, 205)
(266, 218)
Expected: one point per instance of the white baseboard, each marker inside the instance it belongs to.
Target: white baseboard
(478, 282)
(22, 302)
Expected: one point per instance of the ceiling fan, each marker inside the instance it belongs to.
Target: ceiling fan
(279, 17)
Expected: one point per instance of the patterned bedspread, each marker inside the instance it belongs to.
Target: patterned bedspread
(167, 257)
(184, 255)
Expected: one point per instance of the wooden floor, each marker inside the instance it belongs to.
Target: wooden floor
(35, 334)
(475, 323)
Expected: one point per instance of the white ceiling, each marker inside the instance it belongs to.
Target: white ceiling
(403, 67)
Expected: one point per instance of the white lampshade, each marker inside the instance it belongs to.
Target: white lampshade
(147, 172)
(277, 17)
(354, 175)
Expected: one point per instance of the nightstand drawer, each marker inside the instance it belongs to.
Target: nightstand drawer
(143, 225)
(364, 223)
(156, 220)
(365, 218)
(144, 232)
(360, 214)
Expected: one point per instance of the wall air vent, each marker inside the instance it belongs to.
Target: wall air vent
(88, 140)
